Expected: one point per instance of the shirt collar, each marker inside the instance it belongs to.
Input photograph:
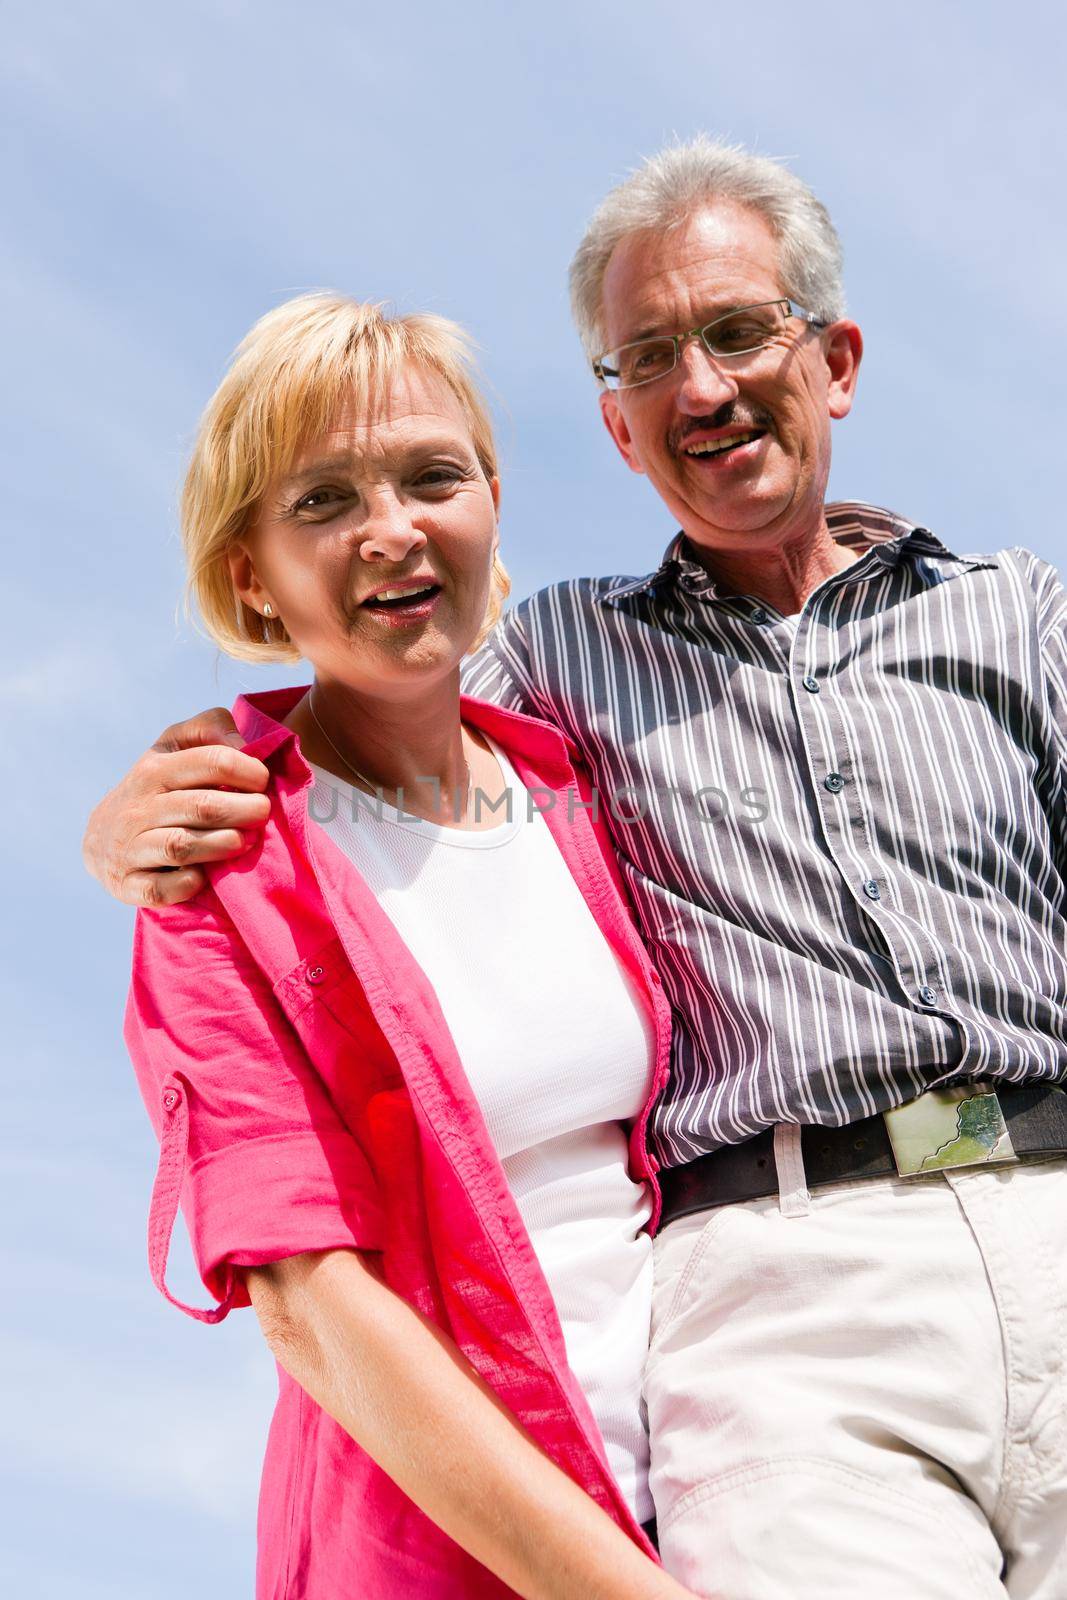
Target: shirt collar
(852, 523)
(259, 718)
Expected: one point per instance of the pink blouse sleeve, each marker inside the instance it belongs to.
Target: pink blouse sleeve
(250, 1140)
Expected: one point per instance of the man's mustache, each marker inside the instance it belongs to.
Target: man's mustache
(731, 415)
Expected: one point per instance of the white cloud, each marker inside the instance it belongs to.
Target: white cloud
(66, 677)
(141, 1433)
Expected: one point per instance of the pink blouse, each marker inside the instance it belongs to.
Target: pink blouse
(308, 1096)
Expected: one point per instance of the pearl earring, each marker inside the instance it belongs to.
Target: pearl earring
(268, 609)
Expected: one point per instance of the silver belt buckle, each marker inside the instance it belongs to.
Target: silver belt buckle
(957, 1127)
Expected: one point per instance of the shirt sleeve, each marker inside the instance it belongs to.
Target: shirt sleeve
(1052, 634)
(250, 1138)
(500, 670)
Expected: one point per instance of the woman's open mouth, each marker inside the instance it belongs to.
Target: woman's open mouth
(403, 604)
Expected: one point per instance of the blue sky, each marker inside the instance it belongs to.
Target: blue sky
(170, 173)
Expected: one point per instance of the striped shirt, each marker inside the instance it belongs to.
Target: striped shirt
(844, 833)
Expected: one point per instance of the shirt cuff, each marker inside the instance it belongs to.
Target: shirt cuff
(264, 1199)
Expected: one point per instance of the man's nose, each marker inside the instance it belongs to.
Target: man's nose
(389, 532)
(704, 383)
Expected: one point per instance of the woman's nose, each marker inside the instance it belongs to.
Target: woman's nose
(389, 534)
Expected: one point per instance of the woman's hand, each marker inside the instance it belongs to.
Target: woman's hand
(408, 1396)
(169, 812)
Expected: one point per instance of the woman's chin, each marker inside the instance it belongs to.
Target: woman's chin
(405, 666)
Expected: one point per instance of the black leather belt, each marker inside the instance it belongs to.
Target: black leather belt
(1036, 1118)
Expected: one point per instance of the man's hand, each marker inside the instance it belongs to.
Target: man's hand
(168, 813)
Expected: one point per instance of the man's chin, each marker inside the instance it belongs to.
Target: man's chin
(742, 520)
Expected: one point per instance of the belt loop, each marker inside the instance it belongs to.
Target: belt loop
(794, 1198)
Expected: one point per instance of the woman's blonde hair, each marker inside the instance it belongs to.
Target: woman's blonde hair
(289, 377)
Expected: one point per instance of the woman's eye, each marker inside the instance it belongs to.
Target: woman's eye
(438, 477)
(317, 499)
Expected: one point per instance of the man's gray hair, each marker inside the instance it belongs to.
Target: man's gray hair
(670, 186)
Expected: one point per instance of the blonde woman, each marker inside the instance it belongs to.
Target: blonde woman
(400, 1054)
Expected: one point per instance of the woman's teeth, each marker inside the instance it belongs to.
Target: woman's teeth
(403, 596)
(718, 447)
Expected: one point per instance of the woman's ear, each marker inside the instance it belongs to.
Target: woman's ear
(246, 585)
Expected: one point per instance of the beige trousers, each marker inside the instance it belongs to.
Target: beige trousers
(860, 1395)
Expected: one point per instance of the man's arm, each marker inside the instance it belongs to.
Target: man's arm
(404, 1391)
(1052, 634)
(145, 838)
(500, 670)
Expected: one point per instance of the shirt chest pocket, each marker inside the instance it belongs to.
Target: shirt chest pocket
(328, 1006)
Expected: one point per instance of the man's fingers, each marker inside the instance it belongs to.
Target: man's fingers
(160, 888)
(206, 808)
(207, 727)
(208, 766)
(181, 847)
(144, 823)
(182, 803)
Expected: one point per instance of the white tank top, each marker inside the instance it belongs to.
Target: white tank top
(557, 1052)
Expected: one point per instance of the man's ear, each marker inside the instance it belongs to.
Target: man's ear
(615, 422)
(844, 352)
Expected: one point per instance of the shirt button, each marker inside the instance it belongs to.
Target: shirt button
(316, 974)
(871, 890)
(811, 685)
(654, 978)
(834, 782)
(170, 1099)
(927, 995)
(759, 615)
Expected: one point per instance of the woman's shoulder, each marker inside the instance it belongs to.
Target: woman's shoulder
(196, 926)
(533, 740)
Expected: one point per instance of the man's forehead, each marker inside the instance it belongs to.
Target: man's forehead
(720, 256)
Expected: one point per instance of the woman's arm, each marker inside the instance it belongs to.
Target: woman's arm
(408, 1396)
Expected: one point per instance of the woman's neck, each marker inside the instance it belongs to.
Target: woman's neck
(412, 744)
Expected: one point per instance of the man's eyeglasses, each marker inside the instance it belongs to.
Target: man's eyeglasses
(738, 333)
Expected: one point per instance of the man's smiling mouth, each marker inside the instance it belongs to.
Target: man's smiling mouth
(720, 447)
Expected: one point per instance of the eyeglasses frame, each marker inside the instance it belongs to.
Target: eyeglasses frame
(680, 339)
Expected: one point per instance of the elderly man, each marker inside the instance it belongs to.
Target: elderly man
(833, 753)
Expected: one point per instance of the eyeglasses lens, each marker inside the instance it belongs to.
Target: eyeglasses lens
(738, 334)
(745, 330)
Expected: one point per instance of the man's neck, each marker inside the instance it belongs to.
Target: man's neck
(782, 577)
